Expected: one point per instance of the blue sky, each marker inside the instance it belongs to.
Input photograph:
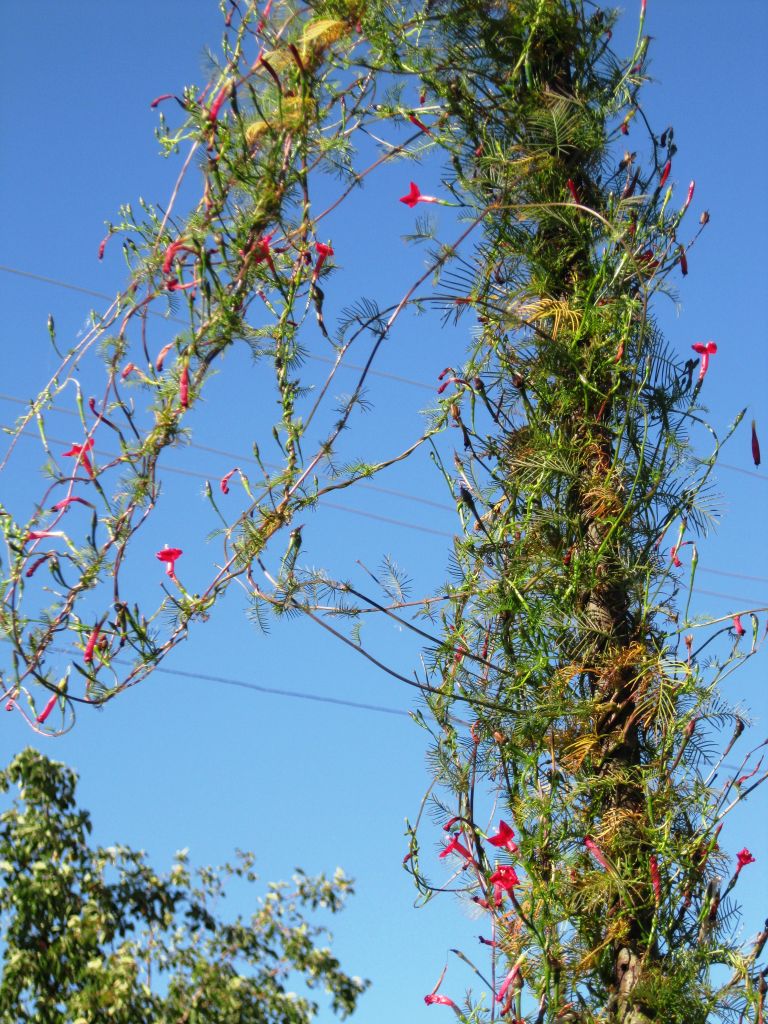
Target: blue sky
(183, 762)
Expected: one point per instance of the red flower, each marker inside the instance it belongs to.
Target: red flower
(503, 838)
(455, 847)
(261, 250)
(323, 252)
(48, 708)
(159, 99)
(665, 174)
(169, 556)
(705, 349)
(675, 560)
(737, 626)
(573, 190)
(743, 857)
(103, 245)
(80, 451)
(419, 124)
(415, 196)
(755, 445)
(683, 262)
(127, 370)
(42, 534)
(504, 879)
(213, 113)
(170, 253)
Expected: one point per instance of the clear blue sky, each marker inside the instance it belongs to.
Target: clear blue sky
(183, 762)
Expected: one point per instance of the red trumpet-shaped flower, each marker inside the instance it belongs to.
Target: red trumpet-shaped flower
(705, 349)
(665, 174)
(743, 857)
(414, 196)
(504, 879)
(80, 452)
(169, 556)
(323, 252)
(573, 190)
(503, 838)
(456, 847)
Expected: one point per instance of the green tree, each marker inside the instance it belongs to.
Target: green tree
(94, 934)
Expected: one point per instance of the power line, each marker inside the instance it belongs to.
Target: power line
(248, 458)
(177, 320)
(275, 691)
(258, 688)
(418, 527)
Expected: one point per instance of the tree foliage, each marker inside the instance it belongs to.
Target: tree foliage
(565, 680)
(93, 934)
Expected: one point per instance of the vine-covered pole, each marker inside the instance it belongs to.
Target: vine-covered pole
(568, 690)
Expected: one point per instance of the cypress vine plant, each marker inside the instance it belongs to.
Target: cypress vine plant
(567, 686)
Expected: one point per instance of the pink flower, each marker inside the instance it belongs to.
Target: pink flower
(506, 983)
(90, 645)
(159, 99)
(504, 879)
(433, 999)
(596, 852)
(224, 482)
(743, 857)
(103, 245)
(127, 370)
(80, 452)
(456, 847)
(415, 196)
(66, 502)
(48, 708)
(737, 626)
(689, 197)
(42, 534)
(655, 877)
(169, 556)
(184, 388)
(503, 838)
(705, 349)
